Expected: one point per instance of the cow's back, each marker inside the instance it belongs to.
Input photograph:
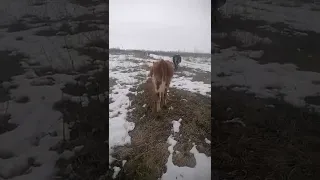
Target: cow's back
(162, 70)
(170, 70)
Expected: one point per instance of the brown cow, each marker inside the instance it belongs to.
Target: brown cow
(161, 74)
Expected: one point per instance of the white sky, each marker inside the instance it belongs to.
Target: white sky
(167, 25)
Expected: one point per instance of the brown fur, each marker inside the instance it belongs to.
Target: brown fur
(161, 74)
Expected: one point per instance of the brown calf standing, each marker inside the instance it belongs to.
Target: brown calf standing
(161, 74)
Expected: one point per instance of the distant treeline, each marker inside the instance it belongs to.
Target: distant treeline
(161, 53)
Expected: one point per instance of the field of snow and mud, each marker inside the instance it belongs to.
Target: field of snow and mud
(132, 125)
(265, 52)
(265, 90)
(43, 47)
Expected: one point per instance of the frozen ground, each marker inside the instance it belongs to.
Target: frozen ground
(235, 68)
(265, 88)
(270, 50)
(40, 44)
(128, 72)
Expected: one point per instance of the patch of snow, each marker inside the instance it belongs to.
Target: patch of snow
(186, 83)
(158, 57)
(176, 125)
(14, 166)
(207, 141)
(187, 73)
(202, 170)
(143, 116)
(123, 162)
(118, 124)
(116, 172)
(35, 121)
(247, 74)
(193, 63)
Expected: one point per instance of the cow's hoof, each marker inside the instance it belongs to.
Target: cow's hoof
(157, 115)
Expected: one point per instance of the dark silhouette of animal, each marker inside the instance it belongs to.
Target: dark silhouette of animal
(176, 59)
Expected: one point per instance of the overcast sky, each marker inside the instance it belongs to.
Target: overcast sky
(167, 25)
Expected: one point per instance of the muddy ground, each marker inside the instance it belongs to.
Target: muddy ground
(277, 140)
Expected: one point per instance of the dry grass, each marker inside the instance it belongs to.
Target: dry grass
(88, 128)
(276, 143)
(147, 155)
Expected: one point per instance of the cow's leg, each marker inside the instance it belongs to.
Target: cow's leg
(154, 106)
(165, 96)
(158, 107)
(162, 99)
(166, 93)
(151, 72)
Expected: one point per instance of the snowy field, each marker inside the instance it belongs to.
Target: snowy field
(251, 66)
(234, 67)
(128, 72)
(37, 40)
(265, 90)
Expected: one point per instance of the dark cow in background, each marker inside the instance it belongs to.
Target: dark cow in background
(216, 4)
(176, 59)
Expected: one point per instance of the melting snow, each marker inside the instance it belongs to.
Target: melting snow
(207, 141)
(202, 170)
(116, 171)
(176, 125)
(247, 74)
